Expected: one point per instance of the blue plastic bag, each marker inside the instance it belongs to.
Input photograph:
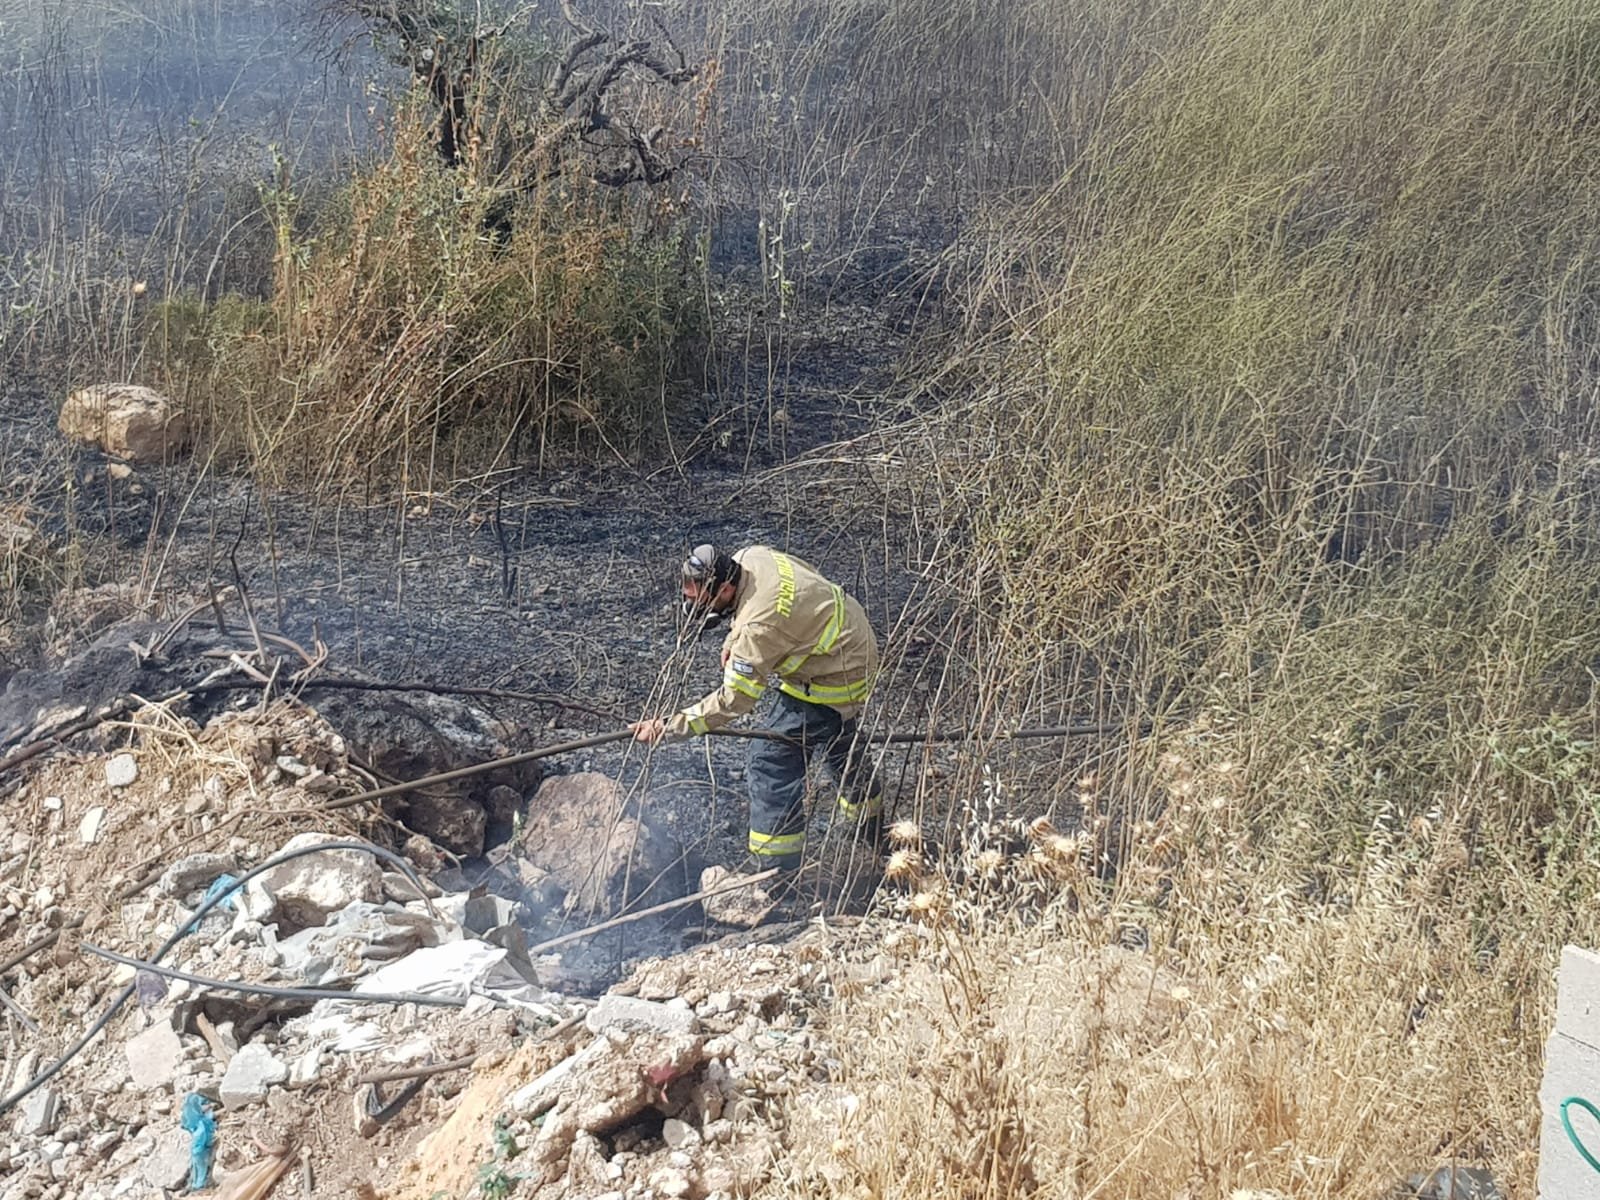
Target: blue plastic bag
(221, 884)
(197, 1119)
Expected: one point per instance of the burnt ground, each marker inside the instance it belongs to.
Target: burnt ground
(562, 583)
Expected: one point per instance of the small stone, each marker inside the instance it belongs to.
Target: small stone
(119, 471)
(102, 1144)
(320, 783)
(167, 1164)
(732, 904)
(290, 765)
(154, 1056)
(679, 1134)
(121, 770)
(52, 803)
(92, 825)
(1454, 1183)
(670, 1182)
(40, 1111)
(250, 1073)
(303, 1071)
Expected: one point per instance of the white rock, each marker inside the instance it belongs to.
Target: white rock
(290, 765)
(52, 803)
(679, 1134)
(167, 1165)
(670, 1182)
(121, 770)
(305, 890)
(92, 825)
(633, 1015)
(154, 1056)
(250, 1073)
(40, 1112)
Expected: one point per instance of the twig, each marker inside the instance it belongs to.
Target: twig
(422, 1072)
(244, 593)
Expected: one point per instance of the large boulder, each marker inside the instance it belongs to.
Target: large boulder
(132, 422)
(602, 851)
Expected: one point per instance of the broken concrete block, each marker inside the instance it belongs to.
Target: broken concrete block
(250, 1073)
(167, 1165)
(154, 1056)
(304, 891)
(40, 1111)
(633, 1015)
(194, 873)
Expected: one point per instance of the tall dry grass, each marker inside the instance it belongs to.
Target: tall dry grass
(1274, 426)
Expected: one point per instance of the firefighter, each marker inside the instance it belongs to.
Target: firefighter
(803, 646)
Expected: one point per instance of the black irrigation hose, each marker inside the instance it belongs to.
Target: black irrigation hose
(267, 989)
(1011, 735)
(602, 739)
(206, 906)
(493, 764)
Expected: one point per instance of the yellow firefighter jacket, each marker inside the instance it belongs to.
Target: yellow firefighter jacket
(794, 629)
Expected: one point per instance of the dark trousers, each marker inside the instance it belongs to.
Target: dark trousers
(777, 776)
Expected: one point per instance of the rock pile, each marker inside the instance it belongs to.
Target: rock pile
(667, 1089)
(107, 1127)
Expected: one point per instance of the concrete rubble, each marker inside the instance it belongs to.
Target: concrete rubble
(668, 1085)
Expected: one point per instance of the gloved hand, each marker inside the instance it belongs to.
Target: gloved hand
(652, 731)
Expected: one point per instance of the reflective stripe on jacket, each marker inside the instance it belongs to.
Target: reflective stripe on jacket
(791, 629)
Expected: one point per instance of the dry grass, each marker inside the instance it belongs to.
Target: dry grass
(401, 340)
(1274, 426)
(1272, 422)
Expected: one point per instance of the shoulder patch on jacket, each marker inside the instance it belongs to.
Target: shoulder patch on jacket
(742, 667)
